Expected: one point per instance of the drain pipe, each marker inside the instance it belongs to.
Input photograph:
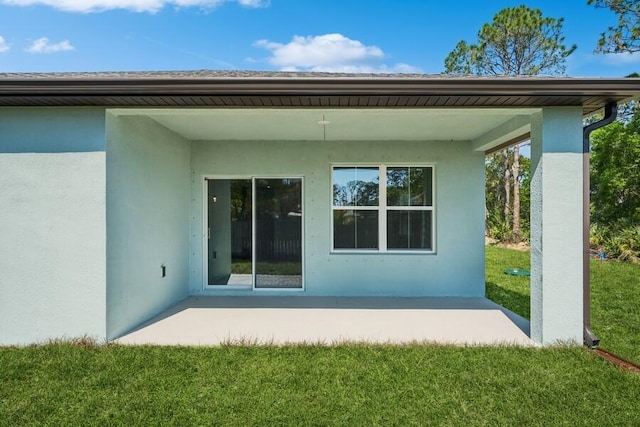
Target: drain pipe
(610, 114)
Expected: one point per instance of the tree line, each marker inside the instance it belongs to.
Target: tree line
(521, 41)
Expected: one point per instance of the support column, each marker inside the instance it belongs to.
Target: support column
(556, 225)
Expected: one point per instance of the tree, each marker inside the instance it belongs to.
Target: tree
(515, 172)
(615, 190)
(506, 182)
(627, 110)
(519, 41)
(615, 181)
(625, 37)
(497, 225)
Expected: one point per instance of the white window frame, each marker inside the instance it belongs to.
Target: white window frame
(206, 287)
(383, 208)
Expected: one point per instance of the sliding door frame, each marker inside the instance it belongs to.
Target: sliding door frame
(205, 234)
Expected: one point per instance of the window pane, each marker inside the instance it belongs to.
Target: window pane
(355, 186)
(398, 186)
(421, 186)
(409, 186)
(229, 229)
(355, 229)
(409, 230)
(278, 234)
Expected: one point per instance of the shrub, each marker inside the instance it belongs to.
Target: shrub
(621, 241)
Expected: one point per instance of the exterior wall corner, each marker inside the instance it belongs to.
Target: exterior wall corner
(556, 226)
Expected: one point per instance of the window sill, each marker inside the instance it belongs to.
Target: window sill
(387, 252)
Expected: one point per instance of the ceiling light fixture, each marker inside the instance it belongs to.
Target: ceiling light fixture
(324, 122)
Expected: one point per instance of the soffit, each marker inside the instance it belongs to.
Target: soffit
(340, 124)
(308, 90)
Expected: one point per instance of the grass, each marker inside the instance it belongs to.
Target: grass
(615, 297)
(509, 291)
(615, 307)
(63, 384)
(276, 267)
(352, 384)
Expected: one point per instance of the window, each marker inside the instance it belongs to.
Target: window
(356, 201)
(409, 208)
(383, 208)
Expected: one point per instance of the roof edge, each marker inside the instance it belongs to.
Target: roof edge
(320, 86)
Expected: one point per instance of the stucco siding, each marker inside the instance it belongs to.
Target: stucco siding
(52, 245)
(556, 226)
(51, 130)
(148, 202)
(457, 267)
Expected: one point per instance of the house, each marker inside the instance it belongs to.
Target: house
(123, 193)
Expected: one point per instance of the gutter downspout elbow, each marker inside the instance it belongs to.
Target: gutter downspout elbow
(610, 114)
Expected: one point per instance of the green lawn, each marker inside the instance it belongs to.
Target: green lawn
(615, 297)
(274, 267)
(509, 291)
(350, 385)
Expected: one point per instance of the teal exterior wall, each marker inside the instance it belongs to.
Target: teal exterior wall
(52, 130)
(556, 226)
(457, 267)
(93, 204)
(148, 202)
(52, 224)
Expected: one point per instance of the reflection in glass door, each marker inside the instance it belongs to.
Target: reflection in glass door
(229, 225)
(254, 232)
(278, 233)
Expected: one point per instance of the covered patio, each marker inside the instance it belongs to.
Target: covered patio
(202, 320)
(392, 165)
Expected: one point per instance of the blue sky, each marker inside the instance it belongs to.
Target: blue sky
(327, 35)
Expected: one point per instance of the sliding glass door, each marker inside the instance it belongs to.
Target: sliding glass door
(278, 235)
(254, 233)
(229, 232)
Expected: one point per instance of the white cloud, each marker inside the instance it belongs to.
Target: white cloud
(4, 46)
(152, 6)
(602, 65)
(325, 50)
(368, 69)
(43, 45)
(330, 53)
(406, 68)
(254, 3)
(622, 58)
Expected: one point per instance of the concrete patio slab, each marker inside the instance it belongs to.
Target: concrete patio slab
(329, 320)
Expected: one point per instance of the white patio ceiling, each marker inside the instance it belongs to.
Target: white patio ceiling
(483, 126)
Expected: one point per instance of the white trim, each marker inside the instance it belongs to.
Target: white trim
(253, 234)
(351, 208)
(205, 222)
(383, 209)
(358, 208)
(205, 238)
(434, 203)
(409, 208)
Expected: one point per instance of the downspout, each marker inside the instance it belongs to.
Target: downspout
(610, 114)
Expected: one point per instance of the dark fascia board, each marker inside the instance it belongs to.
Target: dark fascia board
(324, 86)
(515, 141)
(617, 89)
